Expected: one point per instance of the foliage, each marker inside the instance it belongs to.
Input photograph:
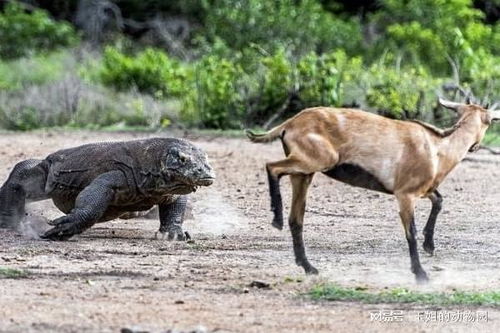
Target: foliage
(322, 78)
(245, 62)
(401, 93)
(150, 71)
(482, 75)
(36, 70)
(213, 100)
(277, 78)
(302, 26)
(437, 34)
(332, 292)
(70, 101)
(12, 273)
(22, 33)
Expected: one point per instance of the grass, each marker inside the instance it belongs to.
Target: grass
(33, 70)
(228, 133)
(89, 128)
(333, 292)
(12, 273)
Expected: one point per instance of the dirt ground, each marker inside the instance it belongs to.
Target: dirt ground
(116, 276)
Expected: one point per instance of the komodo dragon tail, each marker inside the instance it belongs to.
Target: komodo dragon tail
(268, 136)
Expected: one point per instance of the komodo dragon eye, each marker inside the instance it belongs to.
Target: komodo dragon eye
(183, 158)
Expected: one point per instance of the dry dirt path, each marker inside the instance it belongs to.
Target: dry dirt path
(115, 275)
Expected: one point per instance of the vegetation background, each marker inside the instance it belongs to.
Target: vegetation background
(230, 64)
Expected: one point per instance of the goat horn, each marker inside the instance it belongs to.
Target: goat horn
(449, 104)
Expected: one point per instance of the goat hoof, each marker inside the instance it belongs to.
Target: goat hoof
(429, 248)
(422, 278)
(277, 224)
(311, 270)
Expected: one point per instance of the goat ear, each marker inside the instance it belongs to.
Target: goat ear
(494, 114)
(450, 105)
(486, 118)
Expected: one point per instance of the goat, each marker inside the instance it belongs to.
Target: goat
(408, 159)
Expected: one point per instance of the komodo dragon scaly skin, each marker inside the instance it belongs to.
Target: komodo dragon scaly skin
(102, 181)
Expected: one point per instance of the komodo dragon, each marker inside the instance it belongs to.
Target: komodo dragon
(101, 181)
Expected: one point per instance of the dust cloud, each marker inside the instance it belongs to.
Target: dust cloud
(214, 214)
(32, 226)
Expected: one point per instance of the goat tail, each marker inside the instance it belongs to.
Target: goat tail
(268, 136)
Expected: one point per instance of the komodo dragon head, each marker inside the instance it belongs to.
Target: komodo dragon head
(187, 167)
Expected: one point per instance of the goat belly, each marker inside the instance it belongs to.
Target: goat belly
(355, 175)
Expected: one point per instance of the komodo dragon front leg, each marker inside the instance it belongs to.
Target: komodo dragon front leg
(26, 182)
(90, 206)
(171, 219)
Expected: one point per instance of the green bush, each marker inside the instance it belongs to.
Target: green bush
(436, 34)
(278, 78)
(322, 78)
(150, 71)
(24, 119)
(302, 26)
(266, 85)
(401, 93)
(213, 100)
(22, 33)
(313, 80)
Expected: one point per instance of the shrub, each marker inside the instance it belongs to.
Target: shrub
(322, 78)
(150, 71)
(71, 102)
(435, 34)
(266, 85)
(22, 33)
(302, 26)
(35, 70)
(213, 100)
(401, 93)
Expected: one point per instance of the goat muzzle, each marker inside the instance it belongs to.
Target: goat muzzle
(474, 147)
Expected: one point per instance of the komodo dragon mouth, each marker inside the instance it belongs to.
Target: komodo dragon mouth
(205, 181)
(183, 189)
(188, 188)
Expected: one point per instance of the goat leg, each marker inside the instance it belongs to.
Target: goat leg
(300, 184)
(276, 202)
(436, 200)
(407, 207)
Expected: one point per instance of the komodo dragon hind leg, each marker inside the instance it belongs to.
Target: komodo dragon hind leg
(171, 218)
(26, 182)
(90, 206)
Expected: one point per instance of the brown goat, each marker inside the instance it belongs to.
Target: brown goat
(406, 158)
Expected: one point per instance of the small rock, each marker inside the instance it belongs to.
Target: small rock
(133, 330)
(179, 301)
(259, 285)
